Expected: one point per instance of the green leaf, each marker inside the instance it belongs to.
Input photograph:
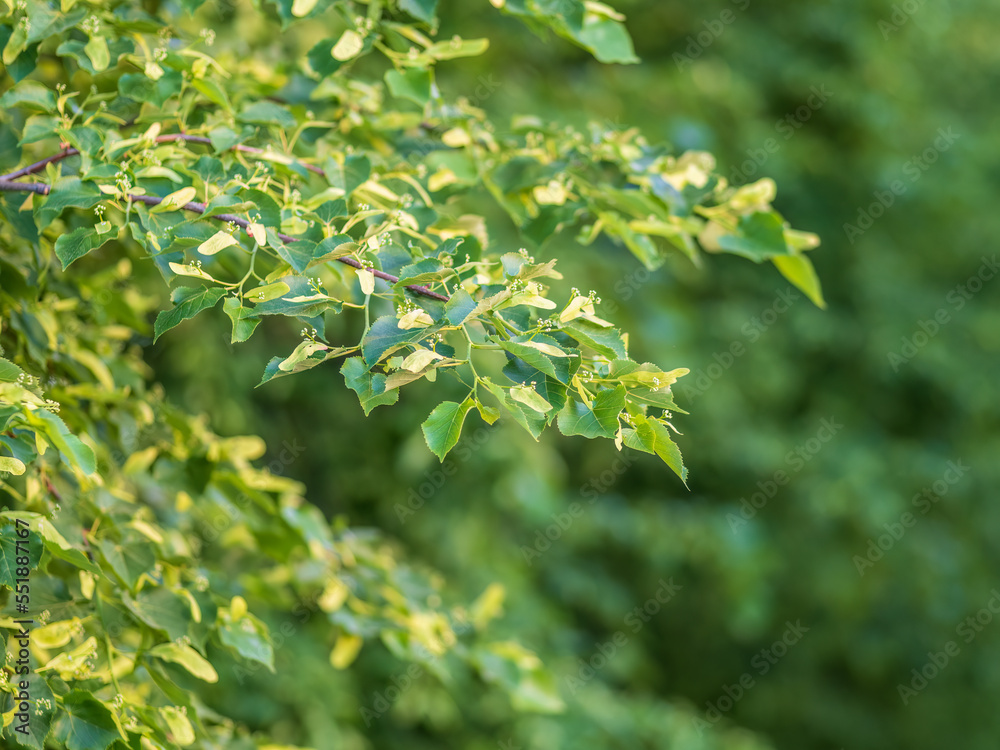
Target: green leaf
(97, 51)
(413, 84)
(248, 637)
(321, 58)
(760, 236)
(213, 92)
(528, 418)
(67, 192)
(370, 388)
(652, 436)
(55, 542)
(601, 420)
(223, 138)
(459, 307)
(188, 658)
(129, 558)
(42, 709)
(608, 40)
(385, 336)
(457, 48)
(31, 549)
(161, 609)
(224, 203)
(9, 372)
(74, 245)
(799, 270)
(307, 355)
(85, 723)
(336, 246)
(297, 254)
(10, 152)
(29, 95)
(424, 272)
(268, 113)
(301, 300)
(607, 342)
(188, 302)
(422, 10)
(536, 692)
(559, 367)
(85, 139)
(243, 326)
(73, 451)
(357, 170)
(547, 386)
(38, 128)
(443, 427)
(331, 210)
(139, 88)
(267, 207)
(15, 44)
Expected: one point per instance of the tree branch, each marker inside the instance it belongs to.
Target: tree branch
(149, 200)
(38, 166)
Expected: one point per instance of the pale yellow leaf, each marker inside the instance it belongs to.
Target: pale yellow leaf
(218, 241)
(345, 650)
(348, 46)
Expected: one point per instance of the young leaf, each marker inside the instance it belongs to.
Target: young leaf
(345, 651)
(175, 200)
(11, 465)
(350, 44)
(178, 724)
(217, 242)
(188, 658)
(367, 279)
(529, 397)
(97, 51)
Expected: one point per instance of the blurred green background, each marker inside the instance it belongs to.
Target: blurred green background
(892, 76)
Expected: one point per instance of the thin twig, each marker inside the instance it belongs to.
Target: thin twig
(38, 166)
